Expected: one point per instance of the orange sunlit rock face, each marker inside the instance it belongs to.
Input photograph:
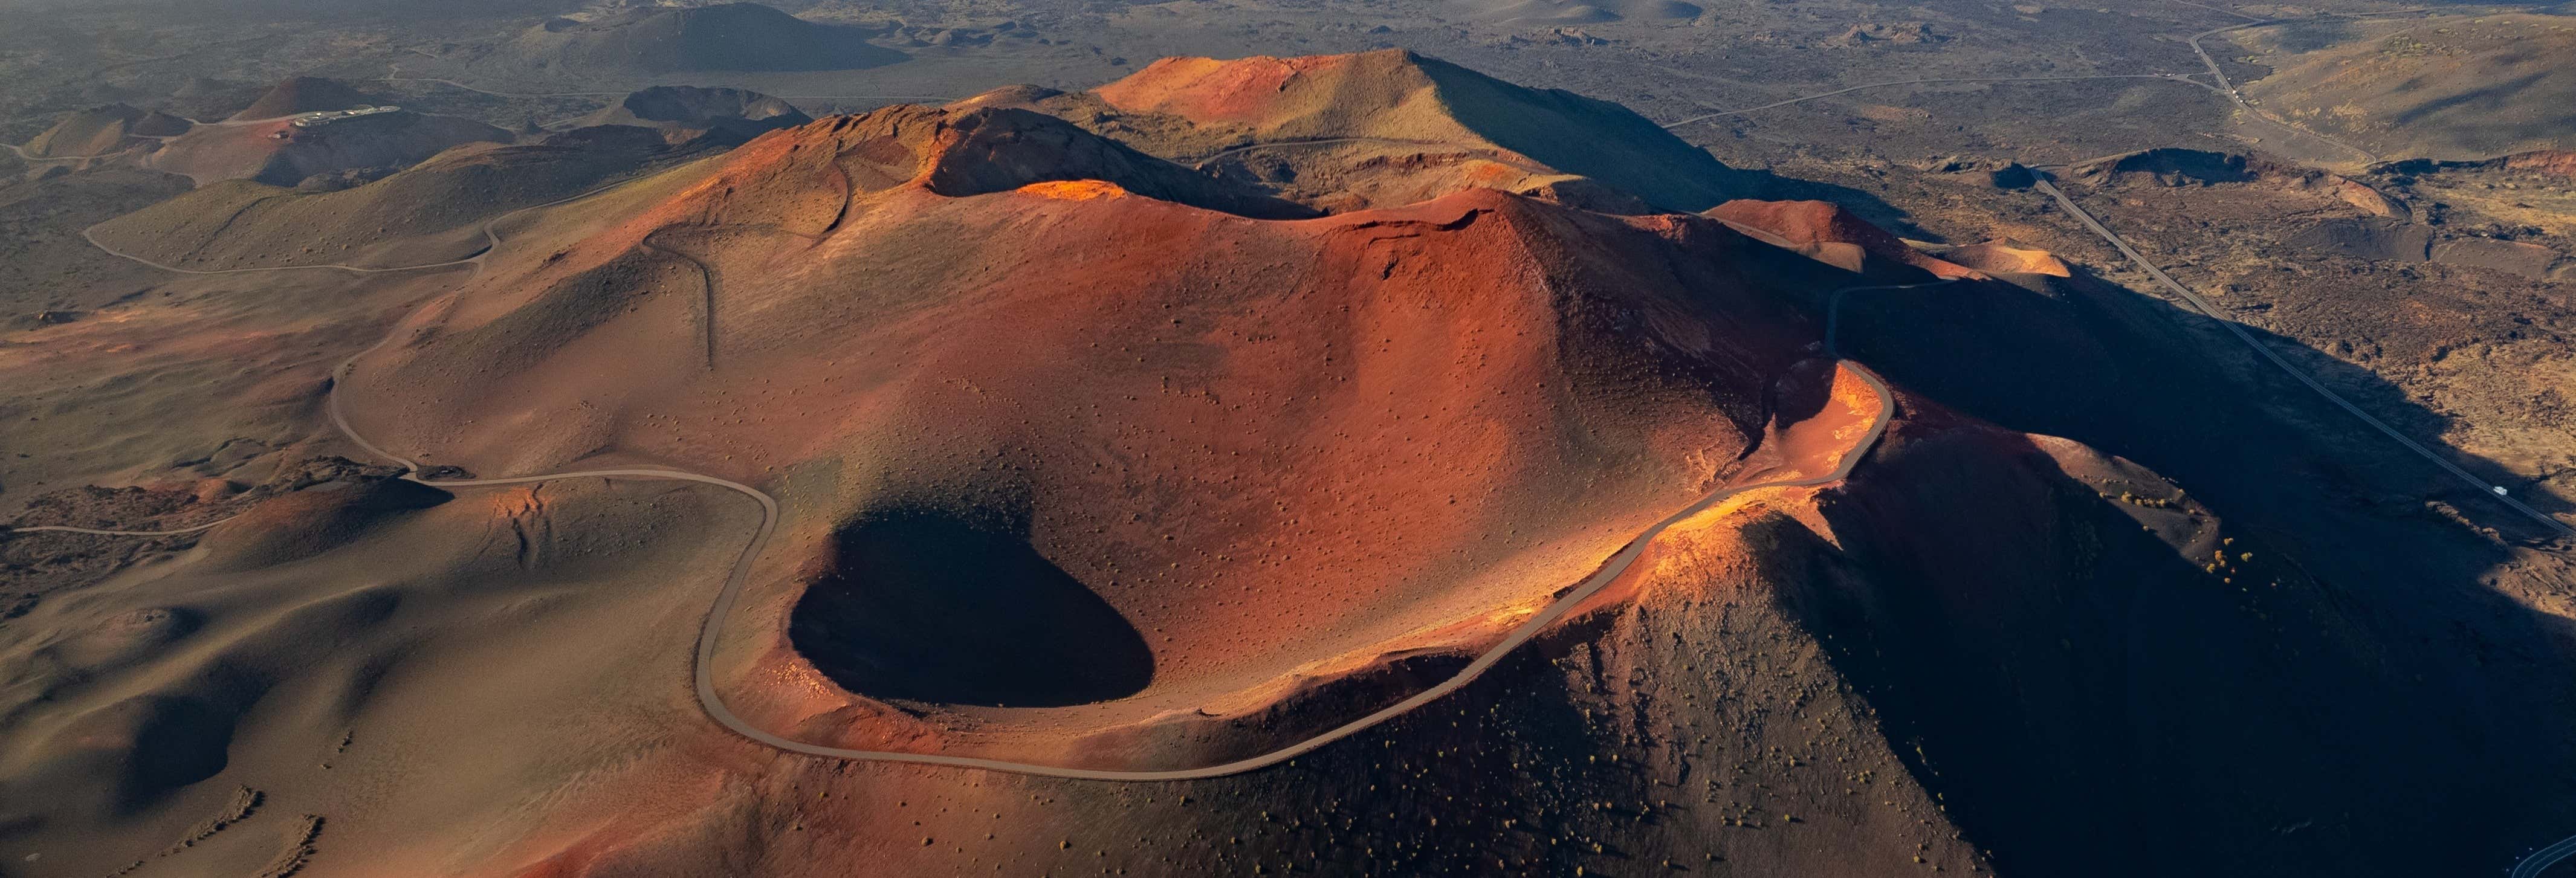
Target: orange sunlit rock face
(1824, 231)
(1241, 90)
(1252, 445)
(2006, 257)
(1074, 190)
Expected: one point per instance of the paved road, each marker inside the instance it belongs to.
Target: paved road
(2540, 860)
(2488, 489)
(2228, 88)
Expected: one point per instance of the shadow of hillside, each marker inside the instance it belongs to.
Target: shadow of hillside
(2405, 720)
(2145, 349)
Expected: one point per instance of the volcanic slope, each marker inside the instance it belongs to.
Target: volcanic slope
(2444, 87)
(1233, 486)
(1534, 12)
(304, 94)
(1084, 459)
(1392, 127)
(428, 213)
(100, 131)
(650, 41)
(278, 153)
(685, 112)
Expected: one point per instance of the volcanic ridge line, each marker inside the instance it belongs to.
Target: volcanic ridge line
(726, 598)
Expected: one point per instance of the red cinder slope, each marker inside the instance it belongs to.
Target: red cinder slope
(1248, 453)
(1824, 231)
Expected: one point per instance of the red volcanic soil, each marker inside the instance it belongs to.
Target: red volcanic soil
(1827, 233)
(2007, 257)
(1086, 459)
(2558, 162)
(1258, 449)
(1247, 90)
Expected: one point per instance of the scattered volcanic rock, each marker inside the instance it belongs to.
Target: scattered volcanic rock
(2380, 239)
(1905, 33)
(723, 37)
(2523, 258)
(2557, 162)
(2169, 166)
(2552, 162)
(2390, 240)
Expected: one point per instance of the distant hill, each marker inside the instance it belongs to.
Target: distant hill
(2448, 87)
(278, 153)
(304, 94)
(422, 214)
(1574, 11)
(323, 10)
(102, 130)
(684, 112)
(728, 37)
(1416, 126)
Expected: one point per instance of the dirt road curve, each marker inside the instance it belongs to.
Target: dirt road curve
(712, 701)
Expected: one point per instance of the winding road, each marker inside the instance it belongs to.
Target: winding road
(2211, 310)
(729, 595)
(2540, 860)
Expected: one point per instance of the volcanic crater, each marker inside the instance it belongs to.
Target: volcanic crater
(930, 605)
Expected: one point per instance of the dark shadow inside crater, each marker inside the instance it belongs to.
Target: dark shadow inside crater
(924, 605)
